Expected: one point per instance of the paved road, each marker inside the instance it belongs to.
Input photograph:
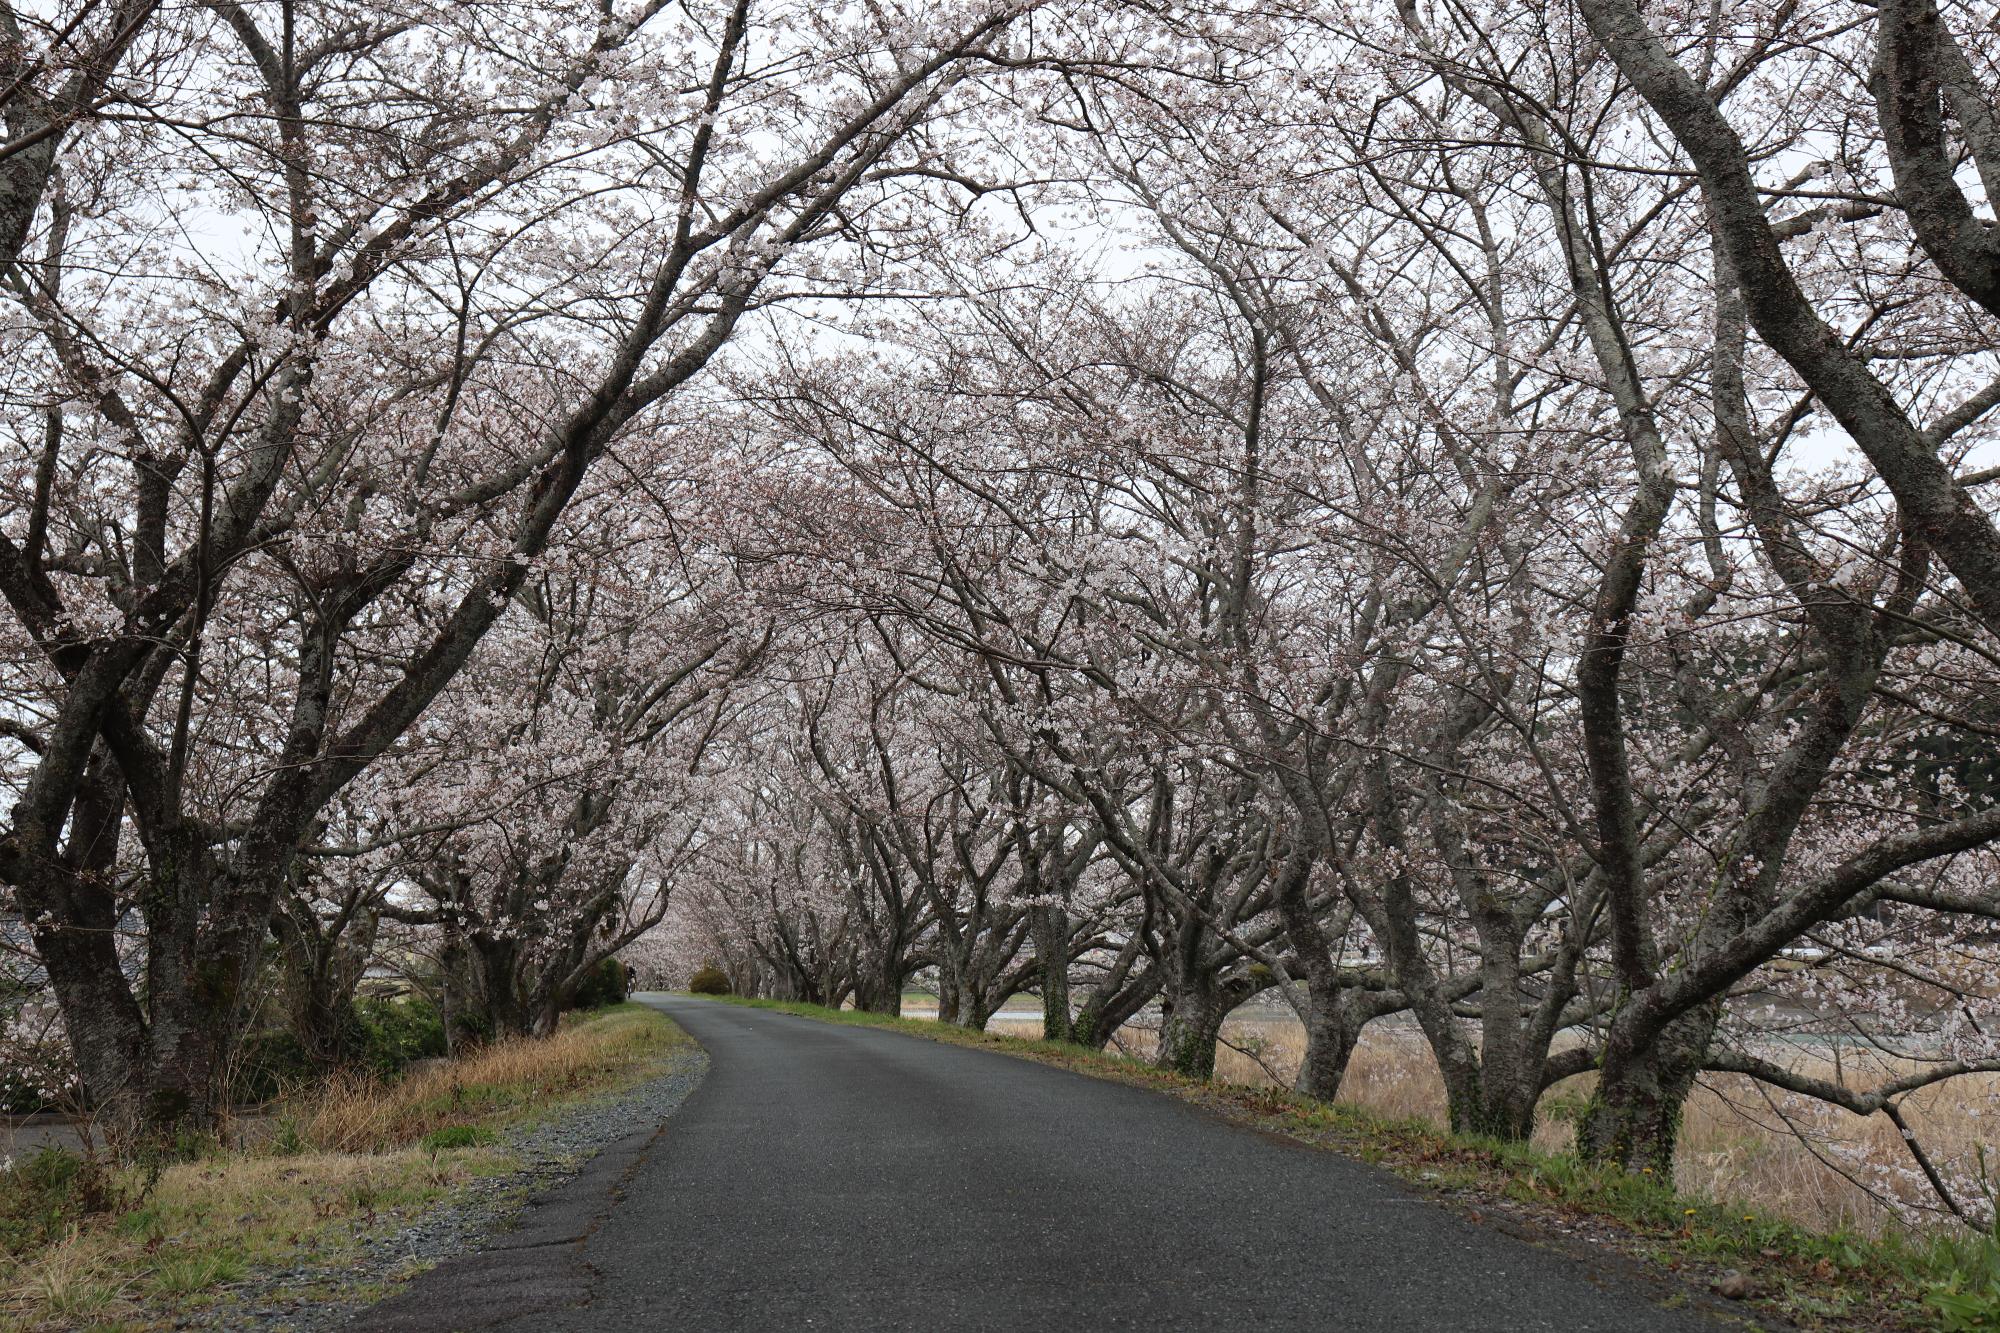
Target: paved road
(828, 1177)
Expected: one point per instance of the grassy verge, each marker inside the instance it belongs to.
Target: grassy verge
(1816, 1280)
(88, 1246)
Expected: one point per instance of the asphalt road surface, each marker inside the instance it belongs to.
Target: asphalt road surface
(827, 1177)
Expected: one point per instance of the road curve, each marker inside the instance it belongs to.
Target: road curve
(846, 1178)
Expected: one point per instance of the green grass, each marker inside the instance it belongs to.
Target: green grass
(107, 1247)
(455, 1136)
(1816, 1280)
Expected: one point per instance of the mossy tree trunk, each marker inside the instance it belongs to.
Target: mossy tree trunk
(1050, 924)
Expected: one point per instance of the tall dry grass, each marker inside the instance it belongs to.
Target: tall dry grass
(1791, 1156)
(367, 1115)
(333, 1165)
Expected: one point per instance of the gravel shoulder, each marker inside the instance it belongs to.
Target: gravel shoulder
(564, 1173)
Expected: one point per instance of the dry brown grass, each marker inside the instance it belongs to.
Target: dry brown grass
(1794, 1157)
(364, 1115)
(335, 1164)
(206, 1224)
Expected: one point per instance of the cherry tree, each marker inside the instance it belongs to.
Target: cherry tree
(308, 363)
(553, 798)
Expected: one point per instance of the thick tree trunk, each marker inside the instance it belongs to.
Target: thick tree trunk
(171, 1092)
(1338, 1015)
(976, 1012)
(459, 1003)
(958, 976)
(546, 1014)
(879, 991)
(321, 971)
(1051, 930)
(1092, 1027)
(1634, 1118)
(1497, 1108)
(107, 1031)
(1330, 1043)
(72, 917)
(326, 1024)
(1336, 1012)
(484, 1000)
(156, 1076)
(182, 1084)
(1499, 1098)
(510, 1011)
(1113, 1002)
(1394, 915)
(1190, 1027)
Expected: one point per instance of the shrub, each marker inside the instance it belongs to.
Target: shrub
(400, 1033)
(48, 1194)
(268, 1061)
(603, 985)
(710, 980)
(388, 1036)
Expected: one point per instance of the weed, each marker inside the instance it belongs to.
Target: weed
(455, 1136)
(52, 1193)
(288, 1137)
(504, 1079)
(68, 1285)
(185, 1275)
(146, 1225)
(1964, 1281)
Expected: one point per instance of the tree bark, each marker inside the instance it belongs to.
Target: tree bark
(1190, 1028)
(1051, 929)
(1633, 1120)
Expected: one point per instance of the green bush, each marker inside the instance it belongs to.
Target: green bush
(52, 1191)
(387, 1037)
(710, 980)
(400, 1033)
(268, 1061)
(1963, 1286)
(603, 985)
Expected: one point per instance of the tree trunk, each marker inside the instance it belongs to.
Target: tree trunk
(1190, 1027)
(976, 1012)
(157, 1076)
(321, 971)
(1634, 1118)
(1094, 1026)
(1499, 1099)
(1051, 927)
(1111, 1004)
(510, 1012)
(106, 1029)
(325, 1022)
(459, 1004)
(1338, 1015)
(879, 992)
(484, 998)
